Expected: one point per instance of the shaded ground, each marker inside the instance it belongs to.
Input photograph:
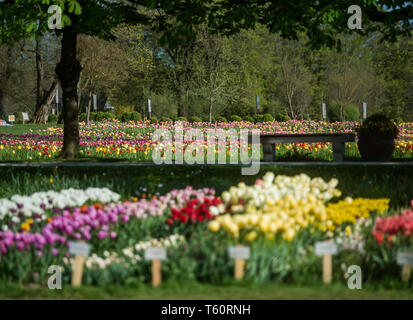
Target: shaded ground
(195, 291)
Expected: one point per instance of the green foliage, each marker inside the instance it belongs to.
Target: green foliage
(221, 119)
(195, 119)
(246, 64)
(378, 125)
(92, 116)
(282, 117)
(397, 120)
(248, 118)
(267, 117)
(82, 117)
(235, 118)
(135, 116)
(258, 118)
(180, 119)
(165, 119)
(205, 118)
(154, 119)
(100, 116)
(52, 118)
(333, 112)
(125, 117)
(130, 116)
(352, 113)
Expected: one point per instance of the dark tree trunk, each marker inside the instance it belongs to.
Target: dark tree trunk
(42, 112)
(39, 74)
(4, 82)
(68, 70)
(183, 92)
(183, 58)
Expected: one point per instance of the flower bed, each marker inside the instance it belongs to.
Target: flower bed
(280, 218)
(133, 140)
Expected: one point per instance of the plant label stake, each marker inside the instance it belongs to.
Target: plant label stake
(156, 255)
(364, 111)
(95, 102)
(240, 254)
(324, 111)
(80, 250)
(258, 103)
(149, 108)
(326, 249)
(405, 259)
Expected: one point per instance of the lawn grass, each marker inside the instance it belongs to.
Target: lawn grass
(25, 128)
(196, 291)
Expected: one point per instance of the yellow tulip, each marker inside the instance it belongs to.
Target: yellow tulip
(251, 236)
(214, 226)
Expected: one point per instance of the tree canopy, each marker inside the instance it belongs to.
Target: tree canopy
(178, 22)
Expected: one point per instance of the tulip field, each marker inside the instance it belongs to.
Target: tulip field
(196, 212)
(114, 140)
(279, 214)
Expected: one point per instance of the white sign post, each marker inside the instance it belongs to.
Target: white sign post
(258, 103)
(80, 250)
(95, 102)
(324, 111)
(156, 255)
(364, 111)
(326, 249)
(405, 259)
(25, 116)
(240, 254)
(149, 108)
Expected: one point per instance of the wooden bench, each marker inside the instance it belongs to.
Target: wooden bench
(337, 139)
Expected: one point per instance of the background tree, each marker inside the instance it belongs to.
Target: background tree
(176, 24)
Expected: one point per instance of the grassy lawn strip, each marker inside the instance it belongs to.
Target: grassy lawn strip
(368, 182)
(25, 128)
(198, 291)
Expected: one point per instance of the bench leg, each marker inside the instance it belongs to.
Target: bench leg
(338, 151)
(269, 152)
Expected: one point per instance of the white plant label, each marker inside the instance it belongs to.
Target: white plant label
(325, 247)
(239, 252)
(404, 258)
(155, 254)
(79, 248)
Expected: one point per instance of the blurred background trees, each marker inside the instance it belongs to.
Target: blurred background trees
(214, 75)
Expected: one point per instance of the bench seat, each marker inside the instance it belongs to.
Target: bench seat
(337, 139)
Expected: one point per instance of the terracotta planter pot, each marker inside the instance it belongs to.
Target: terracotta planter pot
(375, 148)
